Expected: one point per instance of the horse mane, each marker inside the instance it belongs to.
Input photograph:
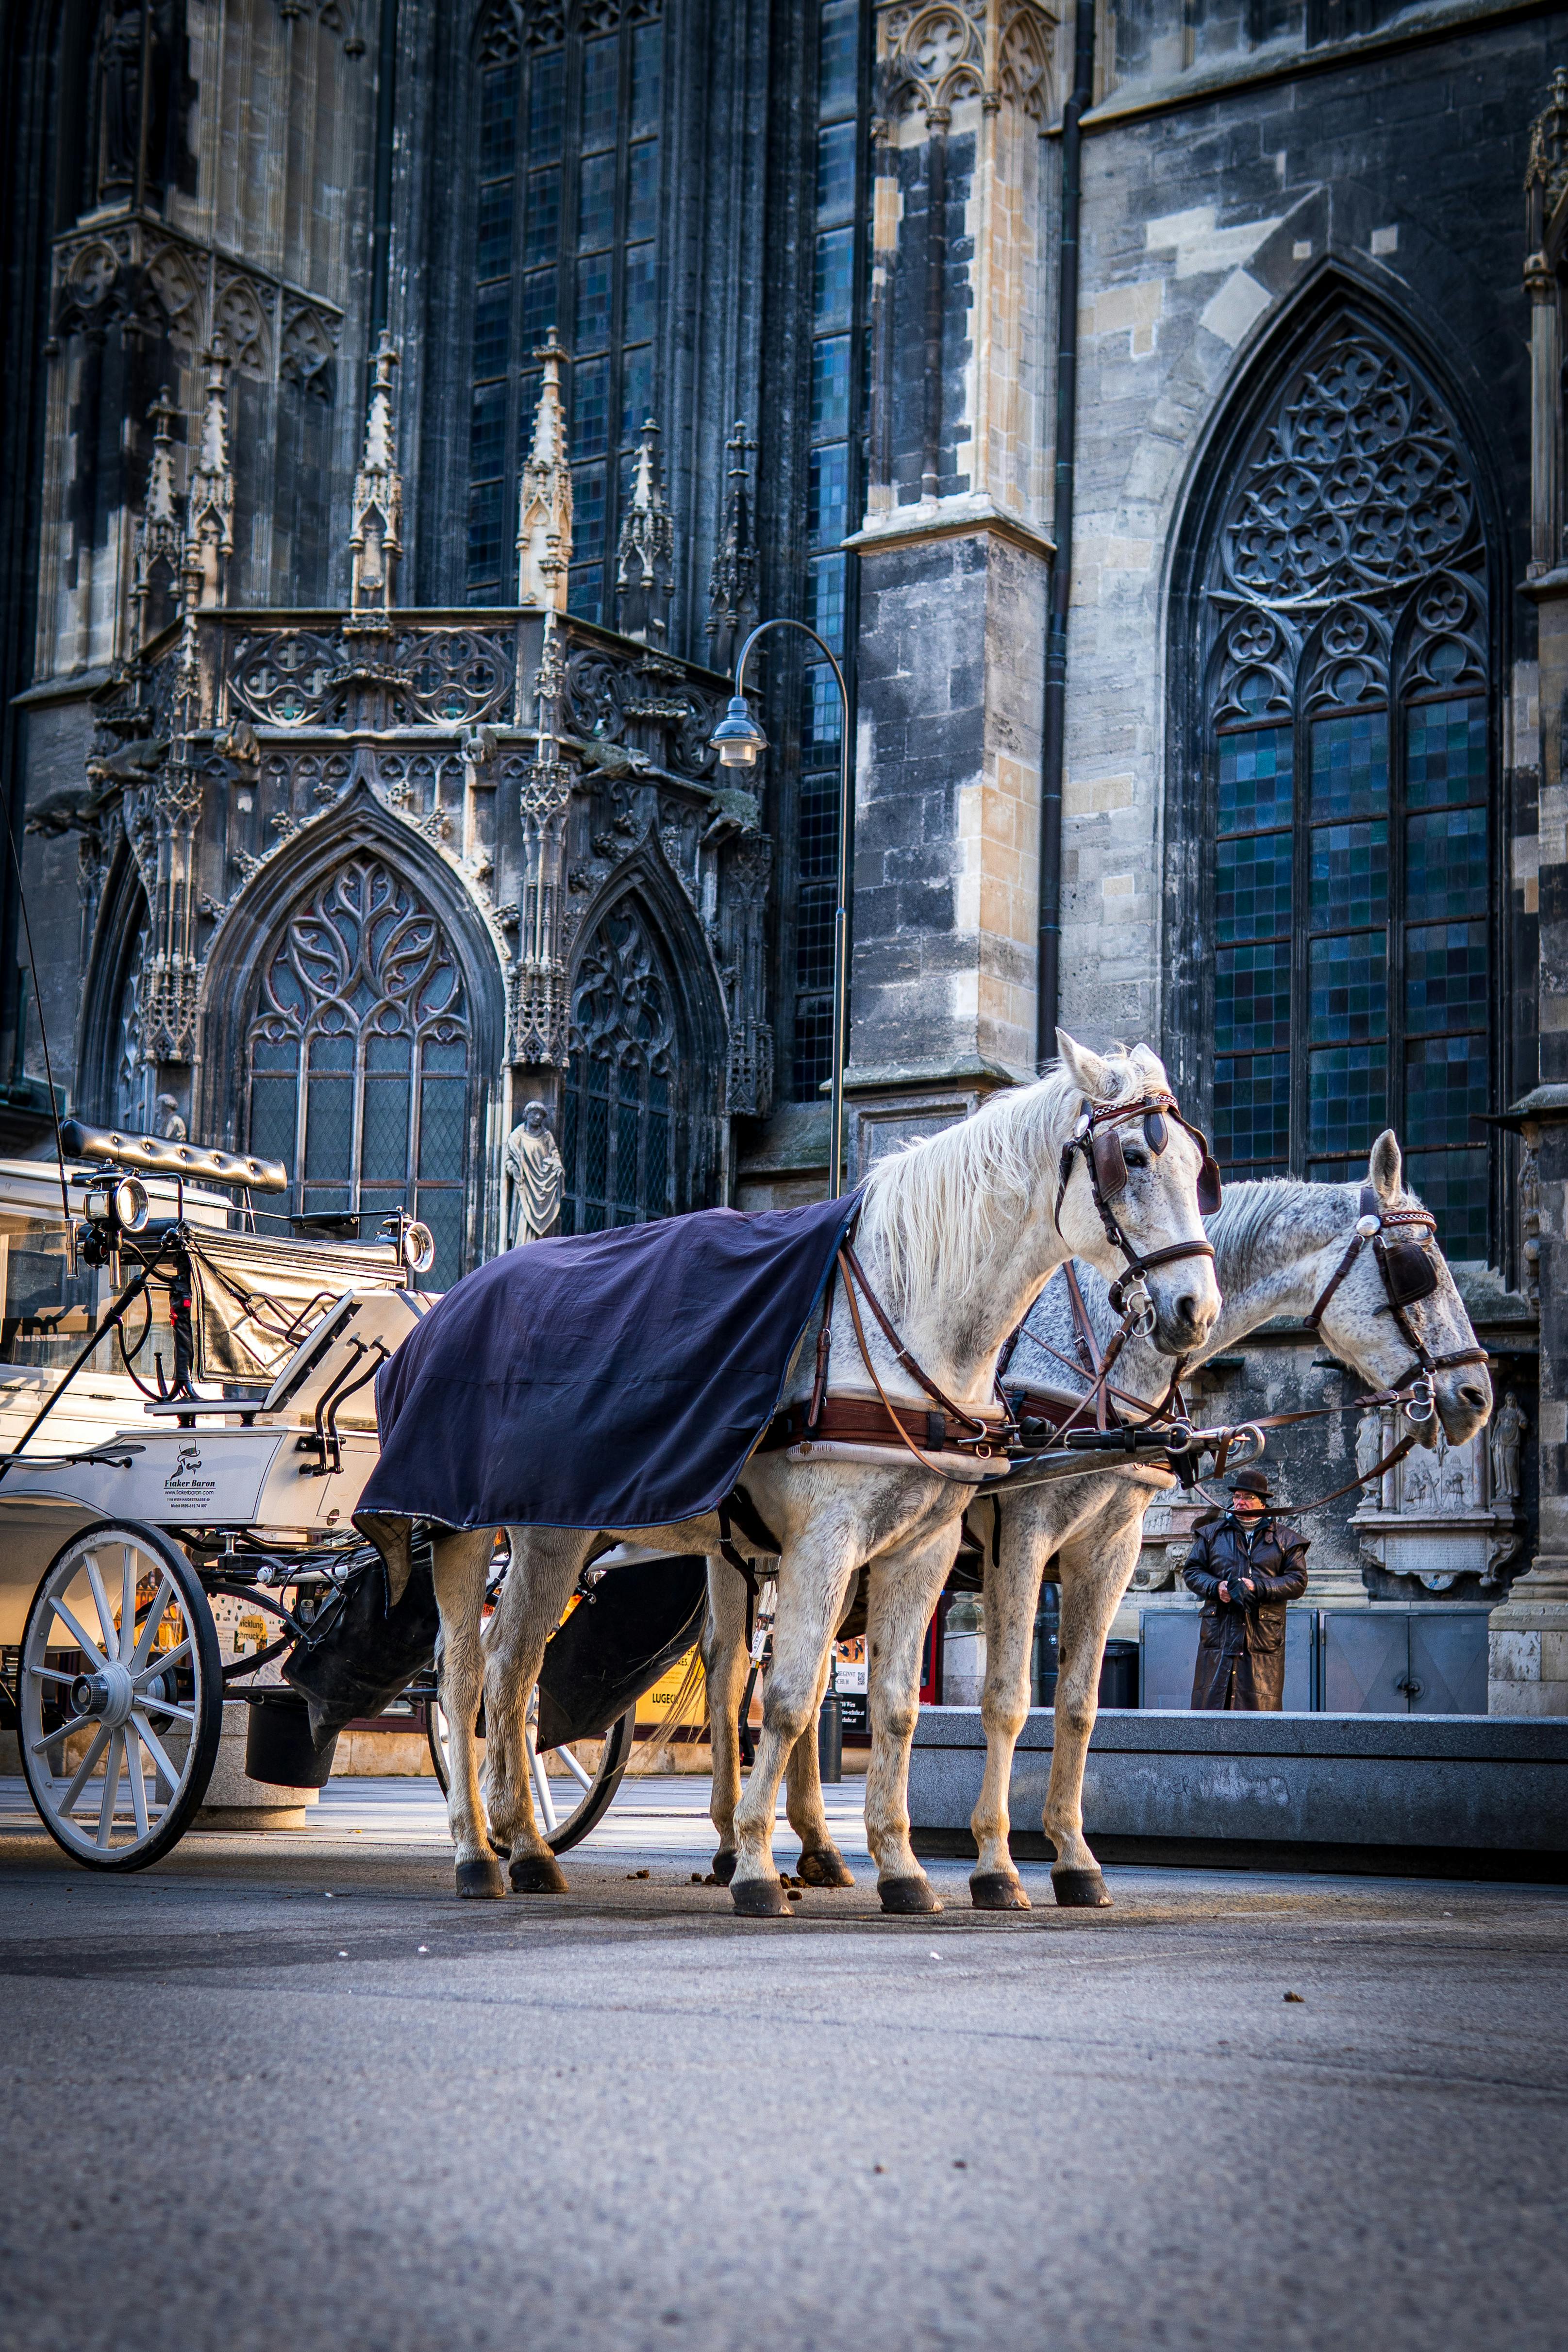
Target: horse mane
(937, 1208)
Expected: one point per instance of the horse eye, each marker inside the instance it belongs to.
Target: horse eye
(1135, 1158)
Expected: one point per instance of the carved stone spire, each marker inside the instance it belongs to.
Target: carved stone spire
(645, 567)
(544, 496)
(375, 534)
(209, 524)
(732, 583)
(160, 538)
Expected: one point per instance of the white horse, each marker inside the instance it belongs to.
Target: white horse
(957, 1236)
(1278, 1247)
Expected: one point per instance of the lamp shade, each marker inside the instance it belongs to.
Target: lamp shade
(738, 739)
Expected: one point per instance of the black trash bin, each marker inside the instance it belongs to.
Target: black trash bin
(1118, 1672)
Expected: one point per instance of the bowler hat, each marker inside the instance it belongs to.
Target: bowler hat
(1250, 1482)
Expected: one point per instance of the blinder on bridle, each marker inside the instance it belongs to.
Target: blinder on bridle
(1110, 1161)
(1098, 1136)
(1409, 1272)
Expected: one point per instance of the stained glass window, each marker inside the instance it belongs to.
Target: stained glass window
(831, 496)
(359, 1061)
(1352, 713)
(571, 101)
(618, 1102)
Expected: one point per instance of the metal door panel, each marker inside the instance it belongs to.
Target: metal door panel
(1301, 1632)
(1366, 1661)
(1169, 1638)
(1449, 1662)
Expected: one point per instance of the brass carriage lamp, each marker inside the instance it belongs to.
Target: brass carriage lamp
(738, 739)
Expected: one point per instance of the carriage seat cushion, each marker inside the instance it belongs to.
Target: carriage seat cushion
(615, 1380)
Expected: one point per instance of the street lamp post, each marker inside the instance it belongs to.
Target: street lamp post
(740, 743)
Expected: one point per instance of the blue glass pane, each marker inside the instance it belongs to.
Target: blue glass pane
(1252, 1111)
(541, 307)
(1349, 987)
(1349, 766)
(596, 202)
(384, 1143)
(831, 283)
(1347, 1097)
(486, 532)
(1453, 1185)
(594, 302)
(830, 385)
(825, 600)
(498, 120)
(600, 67)
(591, 408)
(542, 235)
(818, 829)
(1446, 753)
(546, 108)
(828, 495)
(443, 1120)
(1255, 780)
(814, 936)
(822, 717)
(812, 1047)
(647, 64)
(642, 203)
(1445, 1081)
(487, 430)
(837, 61)
(1445, 977)
(637, 388)
(834, 169)
(1252, 999)
(585, 592)
(443, 1213)
(1350, 875)
(494, 255)
(273, 1101)
(1445, 865)
(492, 340)
(588, 513)
(642, 290)
(1252, 889)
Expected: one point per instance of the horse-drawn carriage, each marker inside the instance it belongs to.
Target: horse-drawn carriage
(187, 1413)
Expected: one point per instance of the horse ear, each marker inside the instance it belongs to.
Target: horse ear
(1386, 1168)
(1086, 1070)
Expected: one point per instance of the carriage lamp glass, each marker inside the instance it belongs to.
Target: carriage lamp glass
(122, 1203)
(738, 739)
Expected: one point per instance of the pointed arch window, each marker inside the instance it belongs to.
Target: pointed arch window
(569, 162)
(1350, 714)
(617, 1127)
(359, 1060)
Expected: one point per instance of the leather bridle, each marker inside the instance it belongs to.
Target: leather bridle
(1409, 1275)
(1096, 1136)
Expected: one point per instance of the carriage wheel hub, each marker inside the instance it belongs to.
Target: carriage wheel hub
(107, 1696)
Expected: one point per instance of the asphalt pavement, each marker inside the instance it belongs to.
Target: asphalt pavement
(285, 2092)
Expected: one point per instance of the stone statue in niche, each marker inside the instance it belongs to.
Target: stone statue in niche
(136, 42)
(1509, 1426)
(538, 1177)
(1368, 1443)
(171, 1126)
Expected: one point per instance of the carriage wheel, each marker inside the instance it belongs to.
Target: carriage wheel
(566, 1813)
(121, 1696)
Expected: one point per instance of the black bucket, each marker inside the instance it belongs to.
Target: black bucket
(279, 1747)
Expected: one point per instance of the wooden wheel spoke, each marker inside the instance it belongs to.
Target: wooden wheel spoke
(128, 1601)
(167, 1772)
(101, 1602)
(584, 1778)
(160, 1664)
(83, 1773)
(111, 1790)
(138, 1659)
(48, 1739)
(83, 1640)
(131, 1737)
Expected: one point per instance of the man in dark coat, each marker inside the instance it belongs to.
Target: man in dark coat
(1244, 1567)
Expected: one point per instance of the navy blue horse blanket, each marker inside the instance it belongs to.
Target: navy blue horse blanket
(613, 1379)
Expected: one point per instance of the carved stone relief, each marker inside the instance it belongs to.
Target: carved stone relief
(1443, 1511)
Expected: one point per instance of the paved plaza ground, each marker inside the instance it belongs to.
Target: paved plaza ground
(285, 2092)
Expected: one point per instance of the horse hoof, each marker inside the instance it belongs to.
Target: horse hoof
(825, 1866)
(905, 1896)
(479, 1882)
(724, 1867)
(537, 1873)
(1080, 1890)
(760, 1898)
(997, 1890)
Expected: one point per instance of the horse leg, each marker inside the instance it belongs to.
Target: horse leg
(1012, 1597)
(821, 1863)
(460, 1563)
(1096, 1568)
(813, 1581)
(724, 1662)
(545, 1565)
(905, 1588)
